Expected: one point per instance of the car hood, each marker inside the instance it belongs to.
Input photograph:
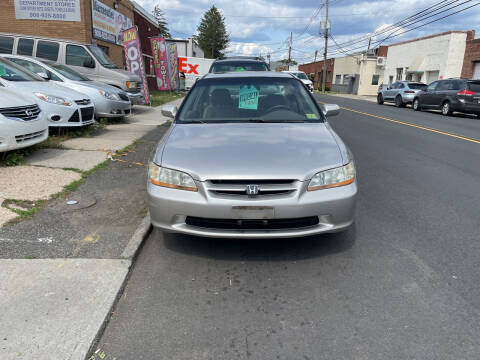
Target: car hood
(13, 98)
(48, 88)
(101, 86)
(250, 151)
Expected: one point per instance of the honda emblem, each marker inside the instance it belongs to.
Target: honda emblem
(252, 190)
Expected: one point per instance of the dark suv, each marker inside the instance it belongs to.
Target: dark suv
(238, 64)
(461, 95)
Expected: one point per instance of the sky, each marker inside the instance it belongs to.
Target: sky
(263, 27)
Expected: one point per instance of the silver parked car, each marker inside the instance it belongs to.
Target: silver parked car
(251, 155)
(108, 101)
(400, 93)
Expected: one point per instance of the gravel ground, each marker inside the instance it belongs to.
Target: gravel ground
(33, 183)
(5, 214)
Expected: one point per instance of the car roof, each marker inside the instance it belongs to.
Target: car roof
(239, 59)
(242, 74)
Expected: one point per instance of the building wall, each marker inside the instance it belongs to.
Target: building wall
(316, 69)
(347, 65)
(472, 56)
(442, 53)
(369, 68)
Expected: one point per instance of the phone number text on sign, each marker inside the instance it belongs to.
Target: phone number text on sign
(60, 10)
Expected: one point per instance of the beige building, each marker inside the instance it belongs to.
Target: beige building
(359, 74)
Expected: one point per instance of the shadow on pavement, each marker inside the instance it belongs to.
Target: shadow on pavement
(259, 249)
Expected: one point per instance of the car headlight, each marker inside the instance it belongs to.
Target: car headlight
(340, 176)
(53, 99)
(109, 95)
(174, 179)
(131, 84)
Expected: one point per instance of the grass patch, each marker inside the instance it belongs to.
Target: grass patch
(162, 97)
(23, 208)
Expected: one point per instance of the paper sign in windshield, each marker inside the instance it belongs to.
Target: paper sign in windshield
(248, 98)
(3, 72)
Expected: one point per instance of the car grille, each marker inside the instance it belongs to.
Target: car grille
(75, 117)
(124, 96)
(31, 136)
(26, 113)
(243, 224)
(238, 188)
(87, 113)
(83, 102)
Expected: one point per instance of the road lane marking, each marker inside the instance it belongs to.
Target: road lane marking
(406, 123)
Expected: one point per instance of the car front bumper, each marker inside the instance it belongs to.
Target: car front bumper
(21, 134)
(136, 98)
(68, 116)
(111, 108)
(170, 208)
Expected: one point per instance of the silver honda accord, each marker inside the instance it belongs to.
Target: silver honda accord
(251, 155)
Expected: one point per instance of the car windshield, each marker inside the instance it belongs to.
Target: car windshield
(69, 73)
(249, 99)
(301, 75)
(102, 57)
(13, 72)
(238, 66)
(417, 86)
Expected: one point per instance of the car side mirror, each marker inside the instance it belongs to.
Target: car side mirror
(44, 75)
(169, 111)
(89, 63)
(330, 109)
(388, 88)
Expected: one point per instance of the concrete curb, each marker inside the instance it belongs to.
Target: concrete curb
(129, 253)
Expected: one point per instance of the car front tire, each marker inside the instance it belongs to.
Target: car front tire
(416, 105)
(380, 99)
(399, 101)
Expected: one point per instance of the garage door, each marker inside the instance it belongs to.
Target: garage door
(476, 71)
(432, 76)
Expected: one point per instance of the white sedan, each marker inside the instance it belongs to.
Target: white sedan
(22, 123)
(63, 107)
(109, 101)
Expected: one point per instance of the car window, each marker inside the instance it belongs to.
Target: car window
(416, 86)
(474, 86)
(394, 85)
(69, 73)
(102, 57)
(35, 68)
(13, 72)
(25, 47)
(6, 45)
(300, 75)
(77, 55)
(238, 66)
(243, 99)
(400, 86)
(48, 50)
(432, 86)
(443, 85)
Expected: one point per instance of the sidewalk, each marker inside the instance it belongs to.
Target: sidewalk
(371, 98)
(63, 267)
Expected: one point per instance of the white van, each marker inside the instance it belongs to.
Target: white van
(89, 60)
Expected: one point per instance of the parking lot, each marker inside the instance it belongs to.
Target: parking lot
(402, 284)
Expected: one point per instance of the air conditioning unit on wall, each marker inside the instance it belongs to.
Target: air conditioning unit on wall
(381, 60)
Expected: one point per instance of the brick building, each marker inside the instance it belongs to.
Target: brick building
(471, 61)
(86, 21)
(315, 71)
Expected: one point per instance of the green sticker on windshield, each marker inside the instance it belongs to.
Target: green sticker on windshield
(248, 97)
(312, 116)
(239, 69)
(3, 72)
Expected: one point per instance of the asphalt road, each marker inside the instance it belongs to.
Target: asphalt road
(402, 284)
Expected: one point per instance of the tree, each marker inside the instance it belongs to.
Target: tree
(286, 62)
(212, 34)
(159, 15)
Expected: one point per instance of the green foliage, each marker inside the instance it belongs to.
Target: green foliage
(162, 97)
(159, 15)
(14, 159)
(212, 34)
(286, 62)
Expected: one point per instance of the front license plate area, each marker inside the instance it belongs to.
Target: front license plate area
(253, 212)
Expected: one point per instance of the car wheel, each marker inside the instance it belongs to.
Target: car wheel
(399, 101)
(380, 99)
(416, 105)
(446, 108)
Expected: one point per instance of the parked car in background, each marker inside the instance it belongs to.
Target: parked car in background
(107, 100)
(63, 107)
(303, 78)
(450, 95)
(250, 155)
(22, 122)
(400, 93)
(89, 60)
(240, 63)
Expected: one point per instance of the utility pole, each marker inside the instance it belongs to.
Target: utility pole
(290, 49)
(268, 57)
(316, 53)
(369, 43)
(324, 73)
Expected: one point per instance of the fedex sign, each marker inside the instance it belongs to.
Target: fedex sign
(186, 67)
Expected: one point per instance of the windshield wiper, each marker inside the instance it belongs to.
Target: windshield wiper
(274, 121)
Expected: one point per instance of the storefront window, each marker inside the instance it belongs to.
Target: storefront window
(375, 79)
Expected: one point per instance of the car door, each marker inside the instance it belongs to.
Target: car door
(398, 89)
(441, 93)
(80, 60)
(427, 97)
(388, 94)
